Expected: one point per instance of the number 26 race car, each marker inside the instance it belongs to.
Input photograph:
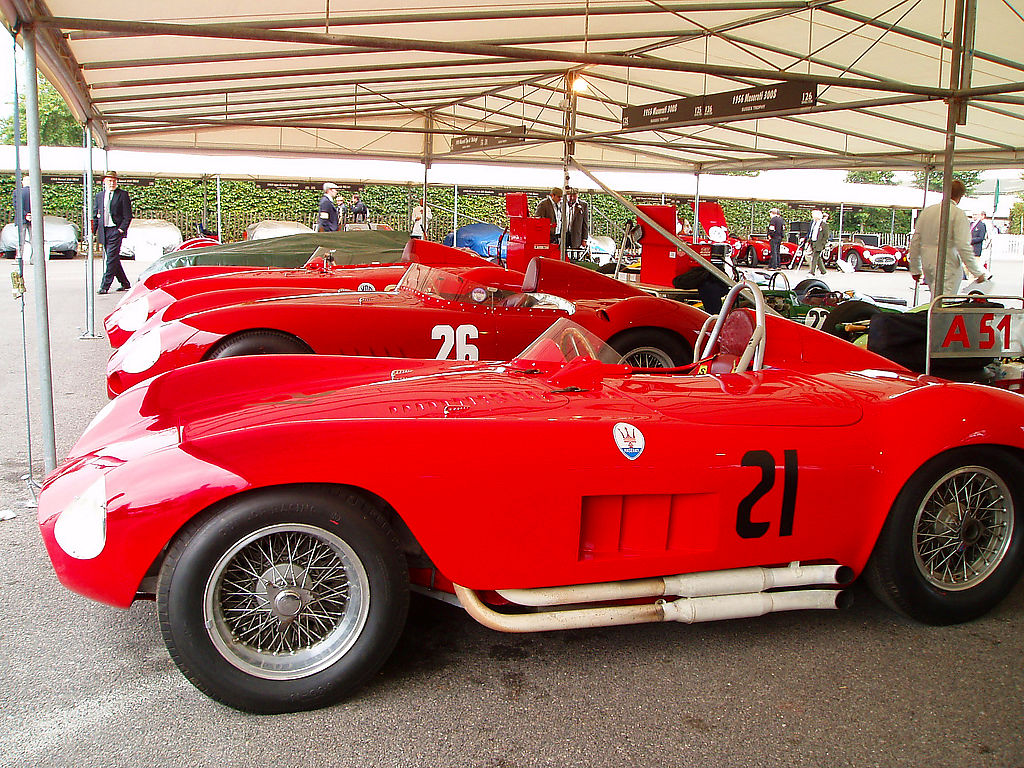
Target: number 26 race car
(258, 499)
(451, 312)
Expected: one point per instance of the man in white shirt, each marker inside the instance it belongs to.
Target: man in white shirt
(924, 246)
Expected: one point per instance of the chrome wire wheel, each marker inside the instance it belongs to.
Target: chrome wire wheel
(963, 528)
(286, 601)
(647, 357)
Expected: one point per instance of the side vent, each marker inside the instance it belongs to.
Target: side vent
(648, 524)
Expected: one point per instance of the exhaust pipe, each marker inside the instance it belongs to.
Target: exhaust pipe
(728, 582)
(706, 604)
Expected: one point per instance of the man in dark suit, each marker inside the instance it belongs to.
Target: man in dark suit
(25, 222)
(979, 230)
(551, 208)
(776, 230)
(113, 215)
(328, 220)
(579, 222)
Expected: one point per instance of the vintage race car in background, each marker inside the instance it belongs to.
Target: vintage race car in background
(282, 573)
(150, 238)
(291, 251)
(460, 313)
(59, 234)
(756, 250)
(263, 230)
(859, 255)
(221, 286)
(814, 304)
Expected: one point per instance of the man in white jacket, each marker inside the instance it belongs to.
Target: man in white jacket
(924, 246)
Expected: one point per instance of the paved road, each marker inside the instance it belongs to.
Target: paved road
(88, 685)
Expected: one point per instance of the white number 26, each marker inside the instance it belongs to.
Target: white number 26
(457, 339)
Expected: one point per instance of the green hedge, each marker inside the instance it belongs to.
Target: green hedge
(181, 201)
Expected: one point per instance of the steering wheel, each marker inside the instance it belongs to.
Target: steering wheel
(752, 356)
(775, 278)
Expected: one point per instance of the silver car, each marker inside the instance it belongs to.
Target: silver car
(60, 235)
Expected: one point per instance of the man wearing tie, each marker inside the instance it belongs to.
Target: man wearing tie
(110, 223)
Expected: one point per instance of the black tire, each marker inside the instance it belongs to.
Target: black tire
(848, 312)
(807, 284)
(889, 269)
(10, 254)
(749, 257)
(651, 348)
(854, 259)
(919, 534)
(265, 342)
(255, 656)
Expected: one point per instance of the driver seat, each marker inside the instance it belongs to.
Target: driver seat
(737, 329)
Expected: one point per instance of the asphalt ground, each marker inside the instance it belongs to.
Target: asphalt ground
(83, 684)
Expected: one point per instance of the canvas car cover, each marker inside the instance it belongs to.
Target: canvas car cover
(292, 251)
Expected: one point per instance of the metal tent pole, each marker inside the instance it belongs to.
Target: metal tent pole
(455, 220)
(842, 210)
(90, 276)
(568, 130)
(220, 228)
(956, 112)
(20, 285)
(40, 253)
(696, 208)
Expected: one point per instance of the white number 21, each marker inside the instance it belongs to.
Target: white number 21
(457, 339)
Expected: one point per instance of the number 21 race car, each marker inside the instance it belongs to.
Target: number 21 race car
(259, 500)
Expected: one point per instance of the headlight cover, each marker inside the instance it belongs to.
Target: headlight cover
(132, 315)
(141, 351)
(81, 527)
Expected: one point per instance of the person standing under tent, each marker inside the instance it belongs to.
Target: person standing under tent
(25, 222)
(924, 246)
(776, 231)
(110, 223)
(550, 208)
(357, 210)
(421, 217)
(981, 239)
(817, 237)
(328, 215)
(579, 221)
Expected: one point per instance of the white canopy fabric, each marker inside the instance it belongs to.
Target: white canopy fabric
(399, 79)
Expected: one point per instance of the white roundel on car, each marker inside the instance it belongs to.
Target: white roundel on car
(366, 287)
(718, 234)
(81, 528)
(629, 440)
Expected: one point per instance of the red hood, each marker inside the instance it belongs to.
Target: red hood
(710, 215)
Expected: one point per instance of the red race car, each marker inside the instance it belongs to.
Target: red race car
(320, 275)
(460, 313)
(259, 500)
(859, 255)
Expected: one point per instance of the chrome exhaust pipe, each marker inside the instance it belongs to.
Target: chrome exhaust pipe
(704, 597)
(704, 584)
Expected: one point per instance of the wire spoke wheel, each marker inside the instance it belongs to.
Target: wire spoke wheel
(647, 357)
(963, 528)
(286, 601)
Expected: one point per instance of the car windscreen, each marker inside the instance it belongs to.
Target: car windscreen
(451, 286)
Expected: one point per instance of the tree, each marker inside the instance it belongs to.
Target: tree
(57, 126)
(971, 180)
(871, 177)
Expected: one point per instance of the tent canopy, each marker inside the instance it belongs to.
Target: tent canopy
(403, 79)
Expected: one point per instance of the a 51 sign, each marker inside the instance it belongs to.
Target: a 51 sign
(967, 331)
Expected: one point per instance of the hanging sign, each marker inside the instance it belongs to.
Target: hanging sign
(767, 99)
(502, 138)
